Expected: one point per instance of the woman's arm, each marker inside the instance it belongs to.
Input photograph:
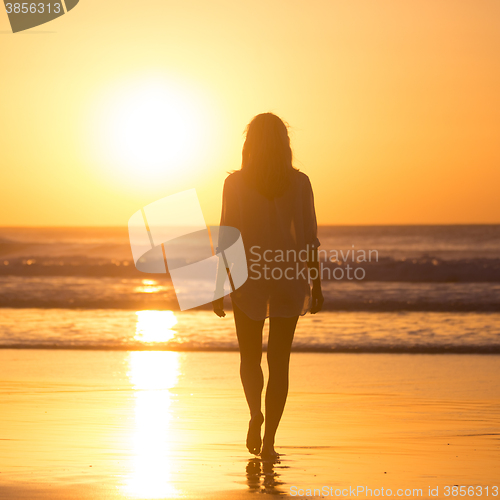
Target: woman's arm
(314, 271)
(229, 217)
(218, 306)
(222, 272)
(311, 234)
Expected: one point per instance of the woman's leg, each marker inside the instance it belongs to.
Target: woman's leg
(249, 333)
(281, 331)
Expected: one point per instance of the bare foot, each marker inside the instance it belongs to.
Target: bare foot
(254, 441)
(269, 453)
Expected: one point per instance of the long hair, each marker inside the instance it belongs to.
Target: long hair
(267, 156)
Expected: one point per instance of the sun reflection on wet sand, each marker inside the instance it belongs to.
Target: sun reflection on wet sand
(152, 375)
(155, 326)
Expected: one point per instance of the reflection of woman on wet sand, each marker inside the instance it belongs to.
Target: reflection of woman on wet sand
(272, 205)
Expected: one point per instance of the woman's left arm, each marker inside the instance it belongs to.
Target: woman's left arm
(314, 269)
(311, 234)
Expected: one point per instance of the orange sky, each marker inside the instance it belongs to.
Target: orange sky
(394, 106)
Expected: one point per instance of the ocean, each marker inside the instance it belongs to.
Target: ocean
(417, 289)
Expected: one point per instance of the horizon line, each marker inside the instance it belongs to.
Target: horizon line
(440, 224)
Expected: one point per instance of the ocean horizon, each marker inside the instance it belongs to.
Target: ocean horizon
(427, 289)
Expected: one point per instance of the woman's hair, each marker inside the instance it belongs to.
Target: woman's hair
(267, 157)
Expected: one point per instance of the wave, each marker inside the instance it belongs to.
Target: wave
(72, 292)
(353, 349)
(417, 270)
(328, 332)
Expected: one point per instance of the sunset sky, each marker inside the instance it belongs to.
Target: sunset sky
(394, 107)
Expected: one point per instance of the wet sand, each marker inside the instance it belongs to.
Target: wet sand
(151, 425)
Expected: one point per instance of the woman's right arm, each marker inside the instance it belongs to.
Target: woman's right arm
(228, 218)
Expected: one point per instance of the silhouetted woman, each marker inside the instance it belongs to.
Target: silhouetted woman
(272, 205)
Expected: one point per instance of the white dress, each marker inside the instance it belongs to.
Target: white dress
(274, 232)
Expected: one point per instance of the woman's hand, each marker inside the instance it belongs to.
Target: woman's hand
(317, 299)
(218, 306)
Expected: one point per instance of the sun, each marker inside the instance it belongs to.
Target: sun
(148, 130)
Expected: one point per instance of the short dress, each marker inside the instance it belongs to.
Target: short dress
(277, 234)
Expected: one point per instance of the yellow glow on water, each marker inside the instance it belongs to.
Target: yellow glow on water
(153, 374)
(155, 326)
(149, 289)
(149, 286)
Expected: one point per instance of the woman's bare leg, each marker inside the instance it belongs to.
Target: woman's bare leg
(281, 332)
(249, 333)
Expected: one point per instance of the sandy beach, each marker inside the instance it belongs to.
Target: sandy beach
(151, 425)
(333, 160)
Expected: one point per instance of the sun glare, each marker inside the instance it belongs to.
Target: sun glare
(155, 326)
(150, 130)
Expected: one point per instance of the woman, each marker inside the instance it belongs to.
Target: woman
(271, 203)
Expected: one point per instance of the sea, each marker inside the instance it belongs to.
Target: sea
(392, 289)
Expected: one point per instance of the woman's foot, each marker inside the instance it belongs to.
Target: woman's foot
(268, 452)
(254, 440)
